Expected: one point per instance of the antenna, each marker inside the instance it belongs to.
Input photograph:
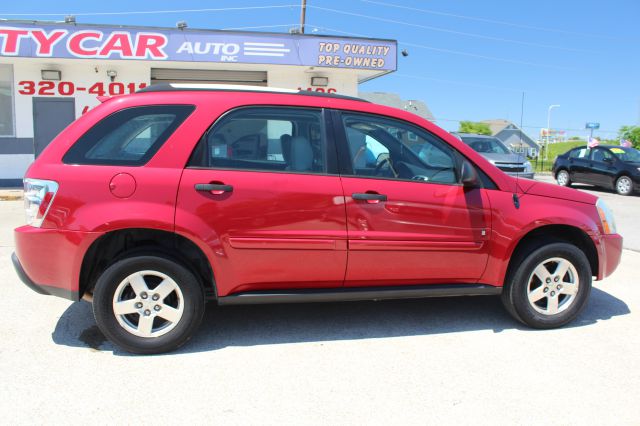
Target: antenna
(516, 201)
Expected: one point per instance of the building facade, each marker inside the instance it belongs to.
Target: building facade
(52, 73)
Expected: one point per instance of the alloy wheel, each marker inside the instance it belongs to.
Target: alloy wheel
(623, 185)
(148, 304)
(553, 286)
(563, 178)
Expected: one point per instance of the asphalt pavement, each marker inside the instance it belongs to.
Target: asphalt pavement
(450, 361)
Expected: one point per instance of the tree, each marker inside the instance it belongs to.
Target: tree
(474, 127)
(630, 133)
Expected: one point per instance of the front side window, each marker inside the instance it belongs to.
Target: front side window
(129, 137)
(600, 154)
(388, 148)
(6, 100)
(266, 139)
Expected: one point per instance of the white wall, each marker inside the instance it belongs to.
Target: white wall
(344, 82)
(84, 73)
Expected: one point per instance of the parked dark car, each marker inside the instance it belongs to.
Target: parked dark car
(608, 166)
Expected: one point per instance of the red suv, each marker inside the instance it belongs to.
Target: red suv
(154, 203)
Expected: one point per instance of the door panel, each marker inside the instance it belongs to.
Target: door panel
(424, 233)
(273, 230)
(602, 170)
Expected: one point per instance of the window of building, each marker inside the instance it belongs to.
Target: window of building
(265, 138)
(6, 101)
(128, 137)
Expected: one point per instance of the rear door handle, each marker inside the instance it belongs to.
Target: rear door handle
(214, 188)
(369, 197)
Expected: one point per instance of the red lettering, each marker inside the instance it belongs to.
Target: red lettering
(150, 45)
(75, 44)
(117, 42)
(11, 40)
(46, 41)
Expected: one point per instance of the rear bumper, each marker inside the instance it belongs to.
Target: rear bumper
(49, 261)
(41, 289)
(609, 253)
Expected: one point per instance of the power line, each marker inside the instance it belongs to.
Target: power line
(151, 12)
(455, 52)
(445, 30)
(262, 26)
(462, 83)
(493, 58)
(490, 21)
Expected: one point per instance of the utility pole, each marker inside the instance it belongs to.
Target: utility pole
(303, 15)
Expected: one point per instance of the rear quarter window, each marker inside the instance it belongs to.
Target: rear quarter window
(129, 137)
(579, 153)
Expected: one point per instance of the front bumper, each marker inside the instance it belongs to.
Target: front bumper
(522, 175)
(609, 254)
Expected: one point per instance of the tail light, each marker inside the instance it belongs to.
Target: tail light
(38, 197)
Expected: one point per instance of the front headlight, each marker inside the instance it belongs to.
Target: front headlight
(527, 167)
(606, 217)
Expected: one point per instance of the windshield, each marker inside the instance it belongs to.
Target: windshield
(486, 145)
(629, 155)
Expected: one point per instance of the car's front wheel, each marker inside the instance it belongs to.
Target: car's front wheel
(549, 287)
(148, 304)
(624, 185)
(563, 178)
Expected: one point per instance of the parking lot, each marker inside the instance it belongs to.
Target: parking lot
(416, 361)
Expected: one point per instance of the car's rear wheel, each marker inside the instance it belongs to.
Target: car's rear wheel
(624, 185)
(549, 287)
(148, 304)
(563, 178)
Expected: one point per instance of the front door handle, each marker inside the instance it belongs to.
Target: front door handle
(369, 197)
(214, 188)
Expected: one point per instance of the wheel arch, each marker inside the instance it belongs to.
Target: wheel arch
(547, 234)
(118, 244)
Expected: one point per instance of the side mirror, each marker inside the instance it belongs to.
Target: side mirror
(607, 160)
(468, 175)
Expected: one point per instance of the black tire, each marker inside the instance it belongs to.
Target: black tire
(515, 295)
(563, 180)
(180, 331)
(624, 185)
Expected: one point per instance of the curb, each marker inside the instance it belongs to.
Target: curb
(11, 196)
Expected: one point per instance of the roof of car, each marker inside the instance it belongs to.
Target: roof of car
(475, 135)
(179, 87)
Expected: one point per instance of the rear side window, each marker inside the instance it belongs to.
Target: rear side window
(580, 153)
(277, 139)
(129, 137)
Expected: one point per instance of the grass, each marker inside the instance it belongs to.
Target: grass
(555, 149)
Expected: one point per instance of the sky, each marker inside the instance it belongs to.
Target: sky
(467, 60)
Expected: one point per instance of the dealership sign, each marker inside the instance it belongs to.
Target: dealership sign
(93, 42)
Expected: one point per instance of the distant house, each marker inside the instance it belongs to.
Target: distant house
(514, 137)
(393, 100)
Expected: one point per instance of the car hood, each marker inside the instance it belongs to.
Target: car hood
(542, 189)
(504, 158)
